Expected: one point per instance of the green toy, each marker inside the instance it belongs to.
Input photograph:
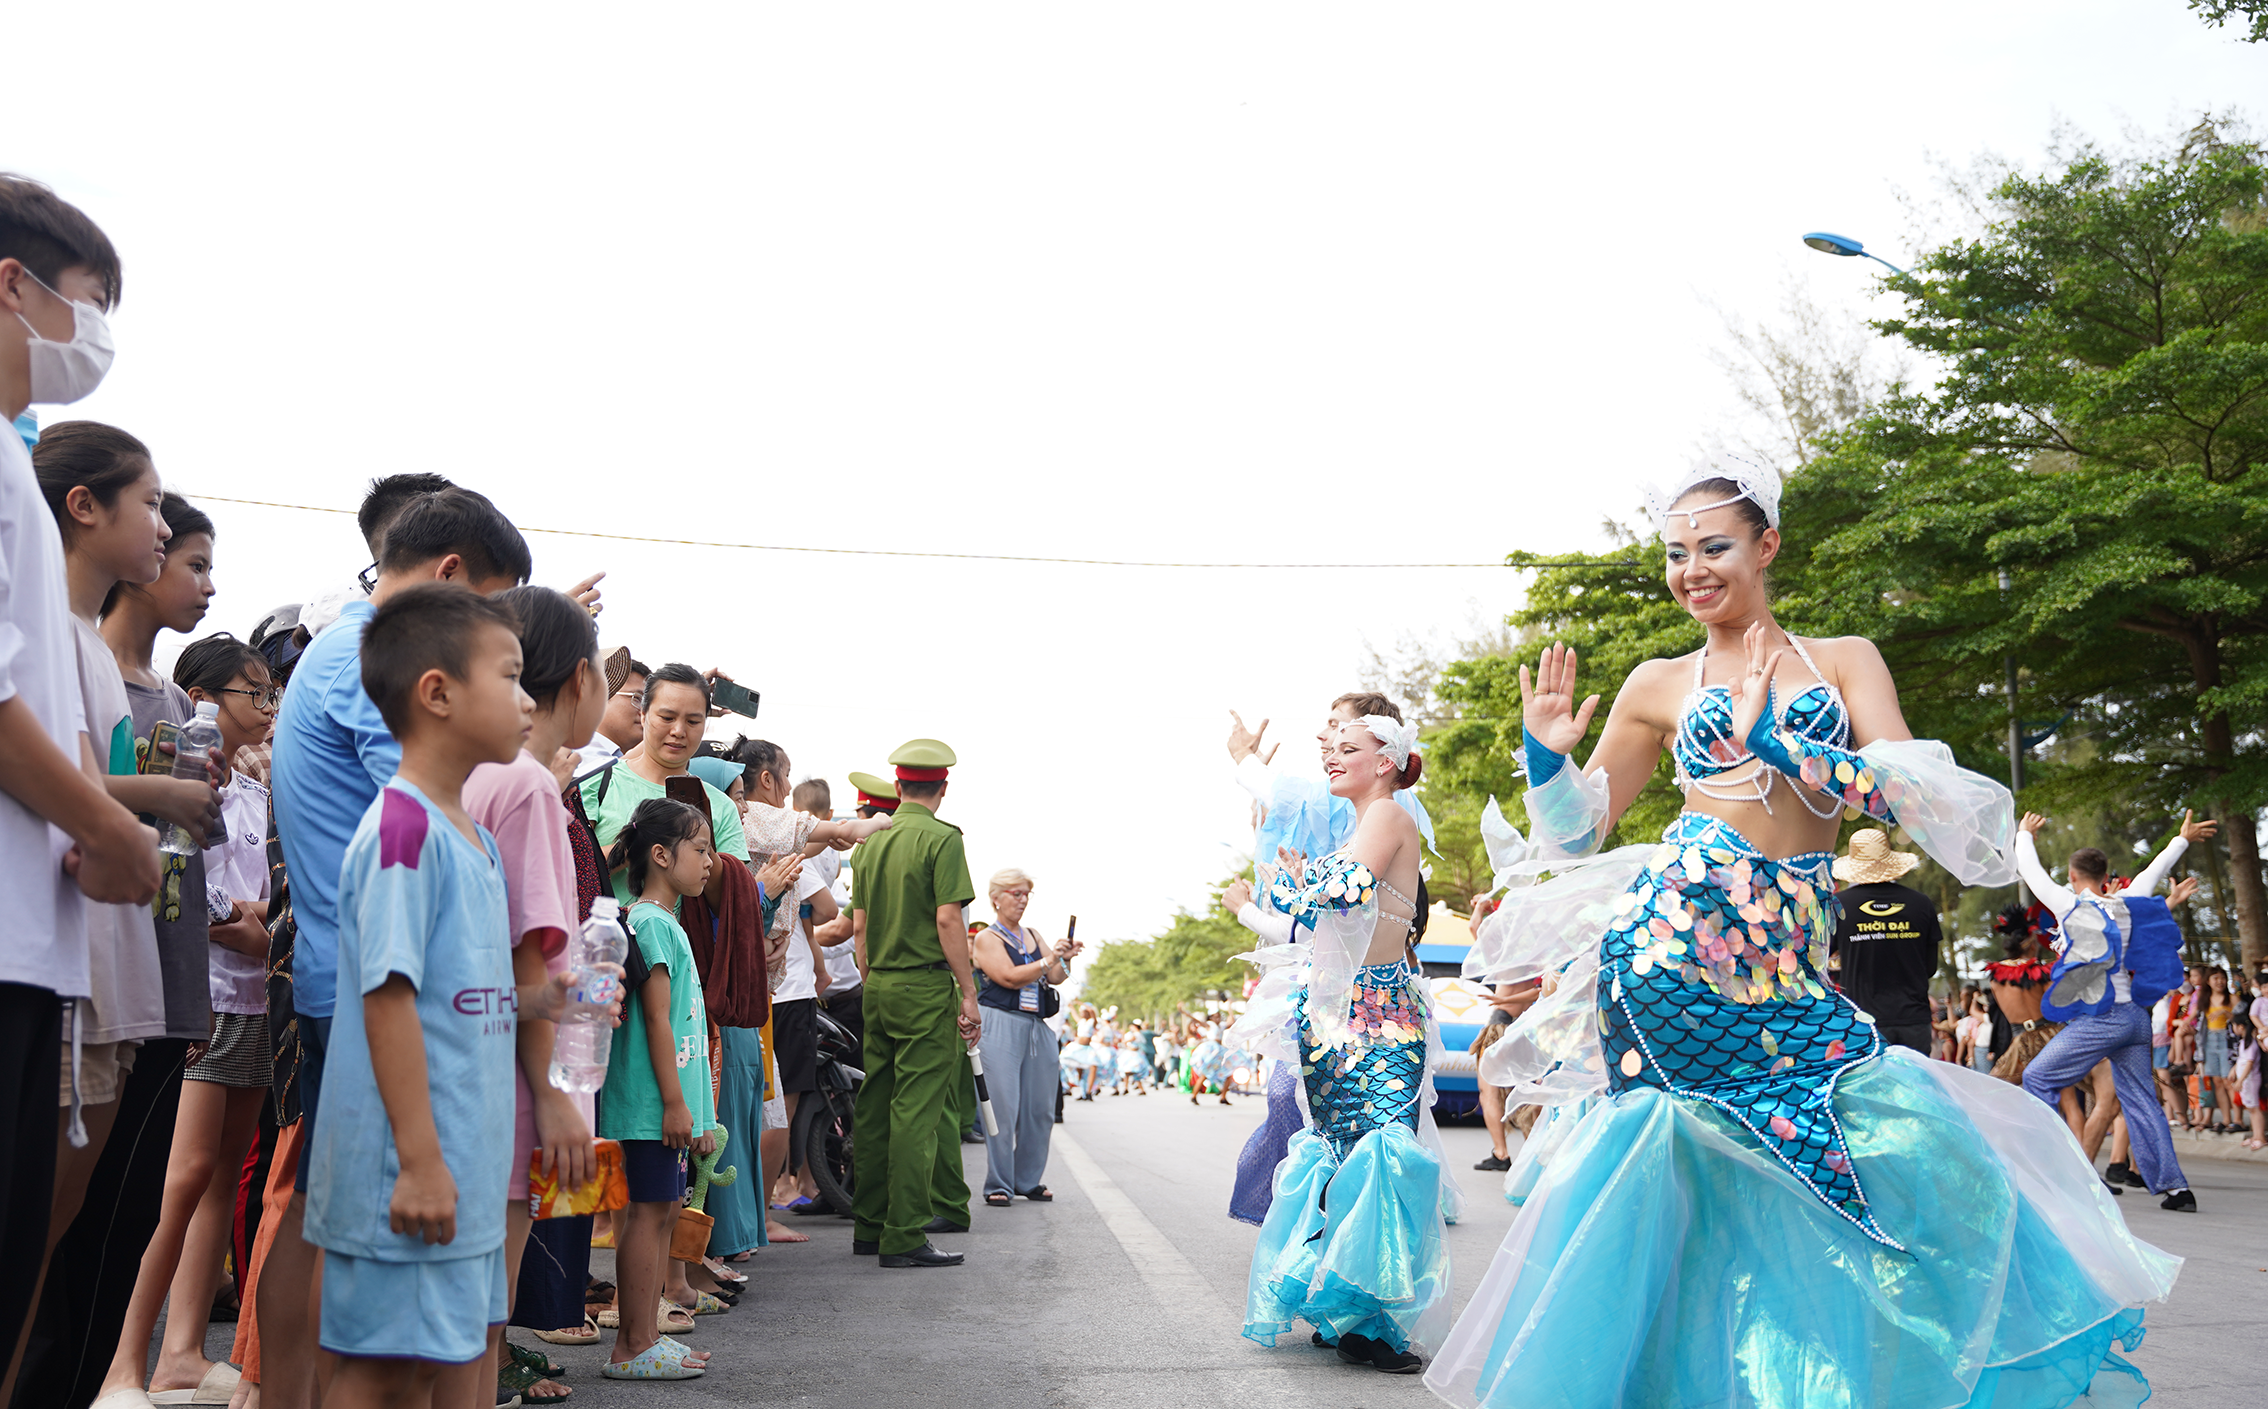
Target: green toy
(705, 1173)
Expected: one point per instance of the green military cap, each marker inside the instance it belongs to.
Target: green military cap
(922, 761)
(877, 793)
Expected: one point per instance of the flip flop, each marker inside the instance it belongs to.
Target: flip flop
(586, 1335)
(654, 1364)
(1039, 1194)
(721, 1272)
(999, 1200)
(217, 1387)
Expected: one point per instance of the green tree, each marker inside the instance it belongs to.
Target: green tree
(2220, 12)
(2098, 437)
(1192, 960)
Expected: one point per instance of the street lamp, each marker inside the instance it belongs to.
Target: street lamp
(1847, 247)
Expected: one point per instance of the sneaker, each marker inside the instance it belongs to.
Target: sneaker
(1355, 1348)
(1494, 1164)
(2119, 1189)
(1388, 1360)
(2180, 1201)
(2121, 1172)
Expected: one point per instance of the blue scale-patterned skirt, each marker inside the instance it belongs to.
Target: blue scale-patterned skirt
(1352, 1242)
(1770, 1209)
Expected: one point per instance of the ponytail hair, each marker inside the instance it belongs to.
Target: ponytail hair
(659, 821)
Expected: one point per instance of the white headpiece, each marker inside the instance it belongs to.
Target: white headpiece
(1759, 484)
(1396, 740)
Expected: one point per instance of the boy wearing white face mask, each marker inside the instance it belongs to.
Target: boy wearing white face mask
(67, 837)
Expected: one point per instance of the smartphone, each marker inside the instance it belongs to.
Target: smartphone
(739, 699)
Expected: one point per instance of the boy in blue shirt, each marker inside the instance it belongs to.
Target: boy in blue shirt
(411, 1160)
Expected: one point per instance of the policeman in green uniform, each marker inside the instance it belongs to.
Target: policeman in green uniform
(874, 794)
(908, 886)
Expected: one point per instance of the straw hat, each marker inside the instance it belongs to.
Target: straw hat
(1871, 859)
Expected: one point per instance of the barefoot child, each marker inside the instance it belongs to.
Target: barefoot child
(420, 1062)
(658, 1102)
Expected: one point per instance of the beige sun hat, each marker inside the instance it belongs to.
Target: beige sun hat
(1871, 859)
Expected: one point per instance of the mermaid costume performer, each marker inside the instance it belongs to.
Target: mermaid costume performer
(1297, 812)
(1763, 1204)
(1352, 1241)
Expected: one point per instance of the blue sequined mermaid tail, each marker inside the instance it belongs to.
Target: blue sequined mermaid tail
(1767, 1209)
(1255, 1187)
(1708, 987)
(1353, 1240)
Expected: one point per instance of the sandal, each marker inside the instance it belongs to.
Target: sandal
(704, 1304)
(721, 1272)
(999, 1200)
(587, 1334)
(525, 1381)
(656, 1363)
(1039, 1194)
(674, 1317)
(535, 1360)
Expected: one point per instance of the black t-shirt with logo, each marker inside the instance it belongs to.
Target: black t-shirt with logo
(1888, 939)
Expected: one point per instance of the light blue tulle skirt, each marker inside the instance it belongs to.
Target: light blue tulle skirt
(1352, 1243)
(1661, 1258)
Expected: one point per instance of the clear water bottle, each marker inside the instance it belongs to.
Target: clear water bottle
(196, 745)
(586, 1033)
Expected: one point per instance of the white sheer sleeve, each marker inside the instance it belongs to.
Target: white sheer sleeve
(1568, 814)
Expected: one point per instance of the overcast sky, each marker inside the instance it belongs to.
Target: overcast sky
(1192, 282)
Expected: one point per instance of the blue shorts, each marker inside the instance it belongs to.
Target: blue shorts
(314, 1043)
(2161, 1057)
(654, 1172)
(438, 1311)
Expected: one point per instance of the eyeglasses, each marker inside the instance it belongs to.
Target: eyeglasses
(1017, 894)
(368, 579)
(263, 700)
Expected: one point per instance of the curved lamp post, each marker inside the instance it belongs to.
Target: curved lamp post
(1847, 247)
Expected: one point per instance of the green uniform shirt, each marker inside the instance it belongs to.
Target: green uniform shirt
(901, 877)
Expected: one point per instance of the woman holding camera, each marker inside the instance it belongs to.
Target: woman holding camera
(1016, 969)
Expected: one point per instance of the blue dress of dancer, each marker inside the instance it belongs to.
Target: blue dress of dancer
(1762, 1205)
(1301, 814)
(1352, 1241)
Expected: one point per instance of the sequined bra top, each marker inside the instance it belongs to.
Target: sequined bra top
(1704, 746)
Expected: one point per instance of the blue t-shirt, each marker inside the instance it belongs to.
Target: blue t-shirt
(419, 900)
(332, 754)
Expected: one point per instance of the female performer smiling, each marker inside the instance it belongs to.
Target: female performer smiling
(1352, 1243)
(1769, 1206)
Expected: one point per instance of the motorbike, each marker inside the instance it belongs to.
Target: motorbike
(821, 1134)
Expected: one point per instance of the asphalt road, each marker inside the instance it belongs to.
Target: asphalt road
(1125, 1292)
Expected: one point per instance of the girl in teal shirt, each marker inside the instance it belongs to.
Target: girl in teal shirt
(657, 1100)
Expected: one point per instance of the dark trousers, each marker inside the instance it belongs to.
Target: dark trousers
(553, 1273)
(1914, 1035)
(91, 1277)
(907, 1157)
(31, 1035)
(846, 1007)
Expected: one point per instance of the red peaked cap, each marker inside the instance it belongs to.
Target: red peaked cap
(910, 774)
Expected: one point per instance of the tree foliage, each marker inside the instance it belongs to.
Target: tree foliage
(1191, 961)
(2095, 436)
(2253, 13)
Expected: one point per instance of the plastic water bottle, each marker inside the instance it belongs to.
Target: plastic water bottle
(197, 744)
(586, 1035)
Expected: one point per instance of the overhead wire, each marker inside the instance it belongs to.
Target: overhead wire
(964, 557)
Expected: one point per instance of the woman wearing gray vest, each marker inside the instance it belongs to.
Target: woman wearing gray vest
(1015, 969)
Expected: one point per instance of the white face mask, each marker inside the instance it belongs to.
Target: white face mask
(63, 372)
